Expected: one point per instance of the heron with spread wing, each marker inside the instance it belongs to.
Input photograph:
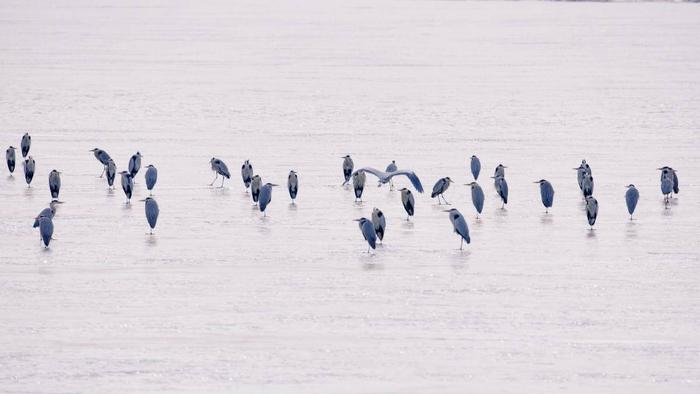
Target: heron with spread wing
(385, 177)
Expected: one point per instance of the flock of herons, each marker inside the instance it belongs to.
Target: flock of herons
(372, 229)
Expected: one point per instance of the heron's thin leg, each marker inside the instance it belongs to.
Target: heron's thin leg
(216, 176)
(223, 178)
(461, 243)
(446, 203)
(439, 202)
(104, 168)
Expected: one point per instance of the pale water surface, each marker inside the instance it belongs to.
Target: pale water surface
(222, 300)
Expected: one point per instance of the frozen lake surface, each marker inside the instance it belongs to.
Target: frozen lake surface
(222, 300)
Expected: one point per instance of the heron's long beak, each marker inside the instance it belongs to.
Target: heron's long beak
(536, 182)
(273, 184)
(445, 210)
(144, 200)
(355, 220)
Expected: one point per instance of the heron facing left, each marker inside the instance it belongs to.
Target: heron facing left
(459, 225)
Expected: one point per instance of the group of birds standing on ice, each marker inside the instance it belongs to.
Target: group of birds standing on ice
(372, 228)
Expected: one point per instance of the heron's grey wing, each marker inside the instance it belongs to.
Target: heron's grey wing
(411, 176)
(379, 174)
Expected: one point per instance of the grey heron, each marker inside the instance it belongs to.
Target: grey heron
(385, 177)
(11, 158)
(674, 176)
(50, 212)
(348, 166)
(631, 198)
(265, 197)
(501, 189)
(666, 183)
(45, 229)
(379, 223)
(440, 188)
(127, 185)
(389, 169)
(477, 197)
(293, 185)
(111, 169)
(409, 203)
(475, 167)
(255, 185)
(29, 167)
(247, 174)
(499, 171)
(102, 157)
(151, 178)
(152, 212)
(54, 183)
(459, 225)
(219, 168)
(25, 144)
(546, 193)
(358, 183)
(586, 166)
(135, 164)
(367, 229)
(591, 210)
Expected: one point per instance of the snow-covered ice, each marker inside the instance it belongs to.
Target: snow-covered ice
(222, 300)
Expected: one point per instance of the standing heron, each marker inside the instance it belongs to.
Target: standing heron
(408, 202)
(29, 167)
(11, 158)
(477, 197)
(475, 166)
(591, 210)
(50, 212)
(502, 189)
(546, 193)
(151, 178)
(379, 223)
(135, 164)
(358, 184)
(631, 198)
(265, 197)
(666, 183)
(587, 188)
(25, 144)
(152, 212)
(102, 157)
(127, 185)
(368, 233)
(247, 174)
(440, 188)
(348, 166)
(385, 177)
(255, 185)
(674, 177)
(499, 171)
(459, 225)
(111, 169)
(219, 168)
(45, 229)
(54, 184)
(293, 185)
(391, 168)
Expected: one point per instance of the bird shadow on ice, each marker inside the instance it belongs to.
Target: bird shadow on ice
(631, 231)
(407, 224)
(591, 234)
(292, 206)
(151, 239)
(546, 218)
(28, 191)
(10, 178)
